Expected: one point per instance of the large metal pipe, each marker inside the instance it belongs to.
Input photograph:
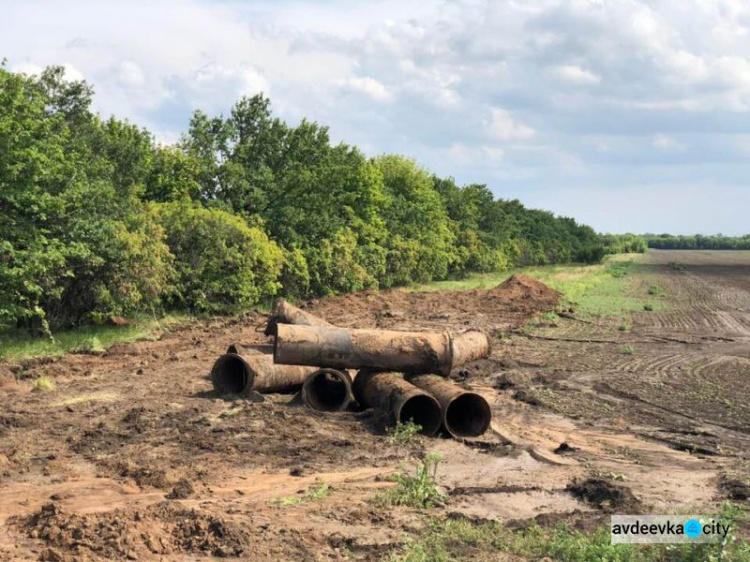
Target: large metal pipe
(238, 374)
(286, 313)
(328, 390)
(464, 413)
(403, 401)
(407, 352)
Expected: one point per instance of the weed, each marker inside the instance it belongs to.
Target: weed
(648, 307)
(404, 433)
(627, 350)
(675, 266)
(456, 539)
(315, 493)
(45, 384)
(623, 327)
(417, 490)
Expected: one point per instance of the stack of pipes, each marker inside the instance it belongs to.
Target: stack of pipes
(401, 373)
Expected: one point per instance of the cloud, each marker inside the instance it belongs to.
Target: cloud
(502, 126)
(521, 95)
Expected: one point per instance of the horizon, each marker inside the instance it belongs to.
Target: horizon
(625, 116)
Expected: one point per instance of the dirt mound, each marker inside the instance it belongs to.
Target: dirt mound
(503, 307)
(604, 495)
(164, 528)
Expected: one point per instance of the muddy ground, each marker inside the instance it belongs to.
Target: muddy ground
(134, 457)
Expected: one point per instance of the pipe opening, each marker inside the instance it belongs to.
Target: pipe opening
(327, 391)
(469, 415)
(423, 410)
(230, 374)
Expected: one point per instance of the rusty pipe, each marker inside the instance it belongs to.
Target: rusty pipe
(286, 313)
(408, 352)
(328, 390)
(238, 374)
(404, 402)
(464, 413)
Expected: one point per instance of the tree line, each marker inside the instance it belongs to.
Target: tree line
(697, 242)
(97, 219)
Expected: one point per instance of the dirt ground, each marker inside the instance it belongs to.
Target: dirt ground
(134, 456)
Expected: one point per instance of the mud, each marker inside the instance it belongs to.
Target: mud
(135, 456)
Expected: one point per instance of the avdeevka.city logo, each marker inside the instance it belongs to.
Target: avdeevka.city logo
(667, 529)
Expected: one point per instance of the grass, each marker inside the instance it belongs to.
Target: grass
(404, 433)
(458, 539)
(627, 350)
(44, 384)
(418, 490)
(315, 493)
(88, 339)
(624, 327)
(603, 290)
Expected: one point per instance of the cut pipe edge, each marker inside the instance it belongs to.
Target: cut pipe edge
(464, 413)
(233, 373)
(403, 401)
(327, 390)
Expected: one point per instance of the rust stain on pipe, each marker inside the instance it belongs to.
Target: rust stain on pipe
(328, 390)
(409, 352)
(286, 313)
(464, 413)
(404, 401)
(233, 373)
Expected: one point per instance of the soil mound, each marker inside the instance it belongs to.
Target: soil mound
(604, 495)
(165, 528)
(500, 308)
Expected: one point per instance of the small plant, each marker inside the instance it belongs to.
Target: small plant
(45, 384)
(653, 290)
(316, 493)
(404, 433)
(623, 327)
(417, 490)
(648, 307)
(627, 350)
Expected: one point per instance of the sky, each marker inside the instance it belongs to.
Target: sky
(630, 116)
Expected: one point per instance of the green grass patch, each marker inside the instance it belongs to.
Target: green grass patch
(87, 339)
(627, 350)
(44, 384)
(315, 493)
(446, 540)
(602, 290)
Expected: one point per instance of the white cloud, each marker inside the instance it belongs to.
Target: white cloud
(576, 75)
(367, 86)
(667, 143)
(502, 125)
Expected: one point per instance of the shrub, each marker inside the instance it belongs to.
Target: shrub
(223, 265)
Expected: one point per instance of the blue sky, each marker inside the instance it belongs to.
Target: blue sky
(627, 115)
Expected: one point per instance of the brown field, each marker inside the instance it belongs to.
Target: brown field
(134, 457)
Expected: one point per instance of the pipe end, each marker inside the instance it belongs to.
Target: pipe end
(231, 374)
(468, 415)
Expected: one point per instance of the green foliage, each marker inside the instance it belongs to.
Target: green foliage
(99, 220)
(653, 290)
(417, 490)
(44, 384)
(627, 350)
(404, 433)
(223, 265)
(456, 538)
(698, 242)
(648, 307)
(316, 493)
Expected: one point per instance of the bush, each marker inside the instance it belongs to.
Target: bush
(223, 265)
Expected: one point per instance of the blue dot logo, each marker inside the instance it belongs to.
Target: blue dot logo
(693, 528)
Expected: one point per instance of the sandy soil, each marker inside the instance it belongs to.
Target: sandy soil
(134, 456)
